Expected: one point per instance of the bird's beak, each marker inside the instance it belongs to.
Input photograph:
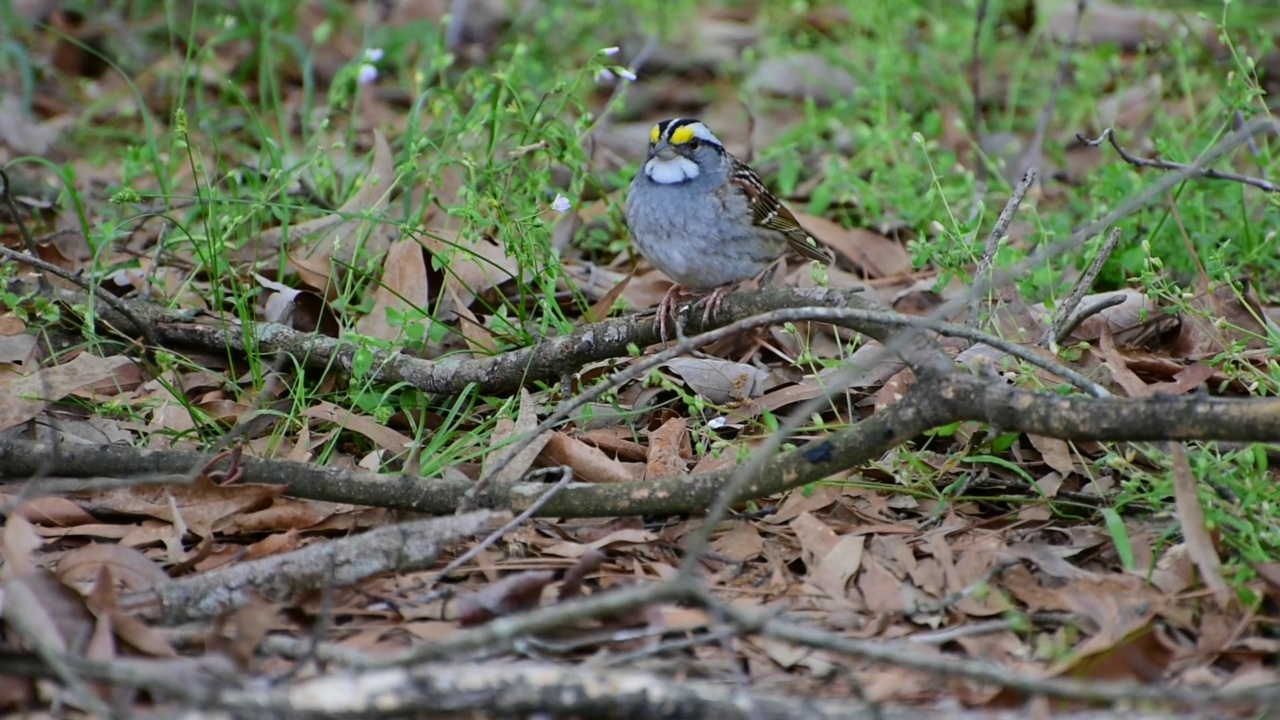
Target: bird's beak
(664, 152)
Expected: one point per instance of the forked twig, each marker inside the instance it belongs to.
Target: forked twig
(1064, 323)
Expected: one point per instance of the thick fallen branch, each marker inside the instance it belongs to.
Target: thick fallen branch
(546, 361)
(928, 404)
(339, 563)
(523, 689)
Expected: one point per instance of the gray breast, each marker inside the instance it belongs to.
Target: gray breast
(698, 237)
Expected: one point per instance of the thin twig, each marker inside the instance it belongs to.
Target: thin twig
(1237, 122)
(1196, 170)
(1088, 312)
(565, 478)
(27, 240)
(946, 603)
(987, 261)
(116, 303)
(1058, 329)
(951, 634)
(500, 634)
(41, 486)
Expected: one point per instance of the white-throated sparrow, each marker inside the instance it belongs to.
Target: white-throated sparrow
(704, 218)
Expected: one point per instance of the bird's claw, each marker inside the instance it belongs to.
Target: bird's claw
(667, 308)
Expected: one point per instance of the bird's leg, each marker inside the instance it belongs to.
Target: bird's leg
(713, 302)
(667, 307)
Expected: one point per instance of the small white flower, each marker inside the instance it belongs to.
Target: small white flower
(605, 75)
(373, 55)
(609, 51)
(716, 423)
(367, 74)
(626, 74)
(560, 204)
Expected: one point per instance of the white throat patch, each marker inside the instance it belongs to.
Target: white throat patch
(669, 172)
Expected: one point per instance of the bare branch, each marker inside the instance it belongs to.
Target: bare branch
(983, 273)
(1196, 170)
(340, 562)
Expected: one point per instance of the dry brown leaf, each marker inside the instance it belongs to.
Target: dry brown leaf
(665, 459)
(785, 654)
(429, 630)
(22, 133)
(627, 536)
(798, 504)
(49, 510)
(740, 544)
(342, 233)
(646, 288)
(1133, 385)
(402, 288)
(509, 595)
(95, 530)
(816, 538)
(274, 544)
(19, 349)
(202, 505)
(33, 598)
(588, 562)
(589, 464)
(284, 514)
(839, 565)
(135, 571)
(874, 254)
(247, 626)
(1187, 379)
(479, 338)
(507, 432)
(803, 75)
(102, 602)
(23, 398)
(1052, 560)
(721, 382)
(617, 442)
(971, 568)
(1128, 27)
(470, 268)
(20, 545)
(599, 310)
(1125, 646)
(382, 436)
(1224, 319)
(1195, 533)
(1056, 453)
(881, 590)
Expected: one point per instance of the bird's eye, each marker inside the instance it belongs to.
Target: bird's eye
(694, 143)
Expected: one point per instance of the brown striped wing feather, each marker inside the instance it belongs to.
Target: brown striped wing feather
(770, 213)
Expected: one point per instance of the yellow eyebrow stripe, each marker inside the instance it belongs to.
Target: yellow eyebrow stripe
(681, 135)
(654, 134)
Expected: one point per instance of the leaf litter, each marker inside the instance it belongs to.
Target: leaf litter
(1021, 582)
